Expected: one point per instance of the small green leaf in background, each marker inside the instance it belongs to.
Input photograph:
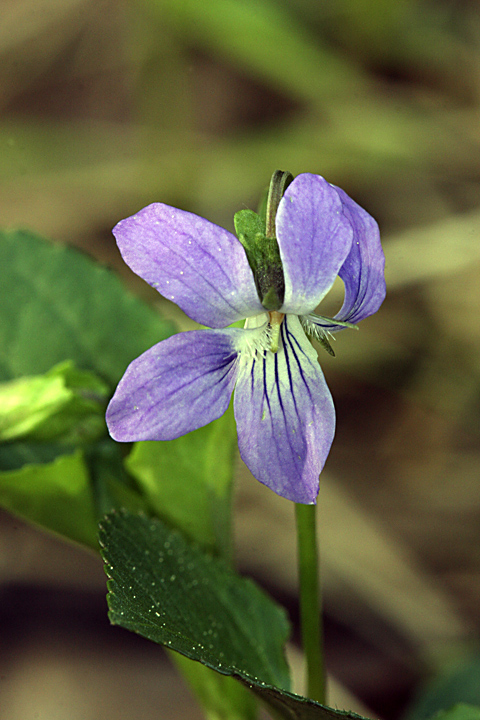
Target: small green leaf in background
(64, 405)
(187, 481)
(15, 455)
(56, 495)
(458, 684)
(56, 303)
(112, 487)
(459, 712)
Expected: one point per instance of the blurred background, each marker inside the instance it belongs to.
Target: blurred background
(108, 105)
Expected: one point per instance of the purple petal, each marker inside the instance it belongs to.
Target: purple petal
(363, 270)
(189, 260)
(314, 237)
(177, 386)
(285, 416)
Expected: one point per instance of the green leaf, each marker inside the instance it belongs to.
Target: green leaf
(296, 707)
(67, 493)
(221, 696)
(64, 405)
(173, 594)
(459, 712)
(14, 455)
(56, 495)
(187, 481)
(57, 303)
(112, 487)
(458, 684)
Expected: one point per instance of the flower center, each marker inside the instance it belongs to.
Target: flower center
(263, 334)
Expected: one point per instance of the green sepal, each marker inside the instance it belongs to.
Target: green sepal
(321, 335)
(263, 256)
(325, 343)
(334, 321)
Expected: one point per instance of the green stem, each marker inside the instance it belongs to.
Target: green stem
(310, 601)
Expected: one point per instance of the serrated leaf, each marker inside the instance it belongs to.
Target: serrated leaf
(57, 304)
(63, 405)
(187, 481)
(55, 495)
(296, 707)
(173, 594)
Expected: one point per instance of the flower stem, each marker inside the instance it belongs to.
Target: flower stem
(310, 600)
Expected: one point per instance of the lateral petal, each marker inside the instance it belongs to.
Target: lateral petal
(198, 265)
(177, 386)
(285, 416)
(363, 271)
(314, 236)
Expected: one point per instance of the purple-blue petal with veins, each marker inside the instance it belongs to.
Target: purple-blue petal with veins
(363, 271)
(285, 416)
(192, 262)
(314, 236)
(177, 386)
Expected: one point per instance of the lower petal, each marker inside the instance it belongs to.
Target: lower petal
(285, 416)
(177, 386)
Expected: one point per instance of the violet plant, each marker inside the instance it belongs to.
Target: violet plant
(272, 278)
(164, 508)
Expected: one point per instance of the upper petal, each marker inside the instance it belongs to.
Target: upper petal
(285, 416)
(314, 236)
(196, 264)
(177, 386)
(363, 271)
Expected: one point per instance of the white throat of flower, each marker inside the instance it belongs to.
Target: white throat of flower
(263, 335)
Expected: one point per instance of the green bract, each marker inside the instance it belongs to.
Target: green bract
(263, 257)
(257, 233)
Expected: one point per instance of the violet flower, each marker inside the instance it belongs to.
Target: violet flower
(283, 408)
